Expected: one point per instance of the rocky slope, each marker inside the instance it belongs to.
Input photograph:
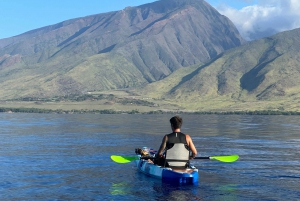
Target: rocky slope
(126, 48)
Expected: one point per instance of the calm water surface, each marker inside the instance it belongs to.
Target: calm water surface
(67, 157)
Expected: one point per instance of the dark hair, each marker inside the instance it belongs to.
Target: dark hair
(176, 122)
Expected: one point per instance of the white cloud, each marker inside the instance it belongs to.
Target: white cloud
(265, 18)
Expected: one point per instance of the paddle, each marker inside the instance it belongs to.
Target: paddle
(128, 159)
(226, 159)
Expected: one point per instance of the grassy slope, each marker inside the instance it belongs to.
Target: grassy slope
(261, 75)
(99, 72)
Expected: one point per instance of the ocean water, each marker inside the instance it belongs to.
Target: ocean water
(67, 157)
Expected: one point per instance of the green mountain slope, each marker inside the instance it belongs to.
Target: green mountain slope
(263, 74)
(98, 72)
(153, 40)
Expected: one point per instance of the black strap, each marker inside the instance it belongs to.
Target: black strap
(176, 160)
(179, 167)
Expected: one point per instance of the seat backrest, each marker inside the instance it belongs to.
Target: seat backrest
(178, 155)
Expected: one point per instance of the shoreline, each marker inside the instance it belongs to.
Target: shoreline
(111, 111)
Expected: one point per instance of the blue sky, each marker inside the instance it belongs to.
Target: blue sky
(253, 18)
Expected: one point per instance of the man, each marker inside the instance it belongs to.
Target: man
(175, 138)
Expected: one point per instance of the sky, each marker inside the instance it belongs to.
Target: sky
(253, 18)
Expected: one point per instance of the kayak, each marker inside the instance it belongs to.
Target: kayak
(166, 174)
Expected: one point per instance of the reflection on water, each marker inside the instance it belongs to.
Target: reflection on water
(119, 188)
(67, 157)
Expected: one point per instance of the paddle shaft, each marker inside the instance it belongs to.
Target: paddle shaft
(151, 157)
(201, 158)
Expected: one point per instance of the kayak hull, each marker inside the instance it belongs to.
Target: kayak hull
(188, 176)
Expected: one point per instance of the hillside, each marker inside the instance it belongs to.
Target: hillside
(121, 49)
(263, 74)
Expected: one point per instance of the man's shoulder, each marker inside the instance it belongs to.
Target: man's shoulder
(187, 136)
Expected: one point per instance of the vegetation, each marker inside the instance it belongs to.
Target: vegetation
(59, 111)
(116, 102)
(80, 98)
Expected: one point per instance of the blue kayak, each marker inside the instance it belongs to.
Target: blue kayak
(166, 174)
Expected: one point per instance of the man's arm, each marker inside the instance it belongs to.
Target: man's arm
(162, 146)
(191, 145)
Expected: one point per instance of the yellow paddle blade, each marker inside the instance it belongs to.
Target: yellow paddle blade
(124, 159)
(226, 159)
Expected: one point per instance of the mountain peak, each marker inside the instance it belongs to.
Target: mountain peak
(154, 39)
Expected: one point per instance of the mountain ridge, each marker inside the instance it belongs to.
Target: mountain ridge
(264, 71)
(156, 39)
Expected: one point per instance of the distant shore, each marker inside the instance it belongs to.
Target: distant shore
(121, 102)
(109, 111)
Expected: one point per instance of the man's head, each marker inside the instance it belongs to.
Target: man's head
(176, 122)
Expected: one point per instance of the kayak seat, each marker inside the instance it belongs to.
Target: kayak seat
(177, 156)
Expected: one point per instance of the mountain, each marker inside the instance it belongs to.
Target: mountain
(263, 74)
(121, 49)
